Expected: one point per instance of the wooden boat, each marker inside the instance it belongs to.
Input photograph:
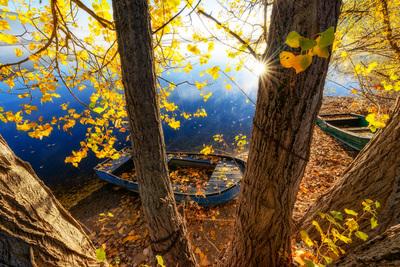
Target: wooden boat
(351, 129)
(217, 183)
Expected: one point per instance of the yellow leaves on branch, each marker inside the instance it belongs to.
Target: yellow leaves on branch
(4, 25)
(41, 131)
(309, 48)
(214, 72)
(8, 38)
(377, 121)
(200, 85)
(171, 121)
(340, 229)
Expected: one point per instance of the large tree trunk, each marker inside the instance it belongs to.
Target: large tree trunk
(166, 227)
(286, 110)
(35, 230)
(374, 174)
(383, 250)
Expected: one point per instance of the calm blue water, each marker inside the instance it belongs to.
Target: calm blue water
(229, 113)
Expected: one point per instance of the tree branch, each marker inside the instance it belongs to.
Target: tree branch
(235, 35)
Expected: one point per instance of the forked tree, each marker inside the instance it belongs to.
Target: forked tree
(287, 106)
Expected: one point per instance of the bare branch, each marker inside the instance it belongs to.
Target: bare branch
(235, 35)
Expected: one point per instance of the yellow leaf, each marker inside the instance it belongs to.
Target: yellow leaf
(321, 52)
(306, 239)
(286, 59)
(193, 49)
(300, 62)
(206, 96)
(4, 25)
(130, 238)
(18, 52)
(200, 85)
(207, 150)
(8, 38)
(214, 72)
(188, 68)
(3, 2)
(160, 261)
(24, 127)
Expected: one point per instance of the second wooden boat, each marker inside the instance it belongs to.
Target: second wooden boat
(349, 128)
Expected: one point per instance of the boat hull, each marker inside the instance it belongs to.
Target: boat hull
(107, 169)
(344, 134)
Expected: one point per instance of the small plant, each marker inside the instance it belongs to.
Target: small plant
(342, 227)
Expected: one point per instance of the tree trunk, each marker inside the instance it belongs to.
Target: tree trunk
(383, 250)
(374, 174)
(35, 230)
(166, 227)
(286, 110)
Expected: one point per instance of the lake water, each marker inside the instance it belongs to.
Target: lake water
(229, 113)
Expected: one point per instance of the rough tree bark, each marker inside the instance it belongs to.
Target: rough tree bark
(374, 174)
(383, 250)
(35, 230)
(166, 227)
(286, 110)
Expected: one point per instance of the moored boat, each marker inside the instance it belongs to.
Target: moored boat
(349, 128)
(206, 179)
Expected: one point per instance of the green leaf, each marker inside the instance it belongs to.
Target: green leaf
(307, 44)
(361, 235)
(98, 110)
(337, 215)
(377, 204)
(293, 39)
(350, 212)
(309, 263)
(321, 52)
(100, 254)
(327, 37)
(374, 223)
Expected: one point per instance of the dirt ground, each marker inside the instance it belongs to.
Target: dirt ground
(113, 216)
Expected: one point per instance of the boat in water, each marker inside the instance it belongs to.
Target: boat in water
(206, 179)
(349, 128)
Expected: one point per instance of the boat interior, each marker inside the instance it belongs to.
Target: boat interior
(192, 175)
(349, 122)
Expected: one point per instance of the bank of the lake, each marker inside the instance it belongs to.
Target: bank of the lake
(113, 216)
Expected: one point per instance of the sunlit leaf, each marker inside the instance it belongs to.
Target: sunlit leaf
(293, 39)
(361, 235)
(306, 239)
(374, 223)
(327, 37)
